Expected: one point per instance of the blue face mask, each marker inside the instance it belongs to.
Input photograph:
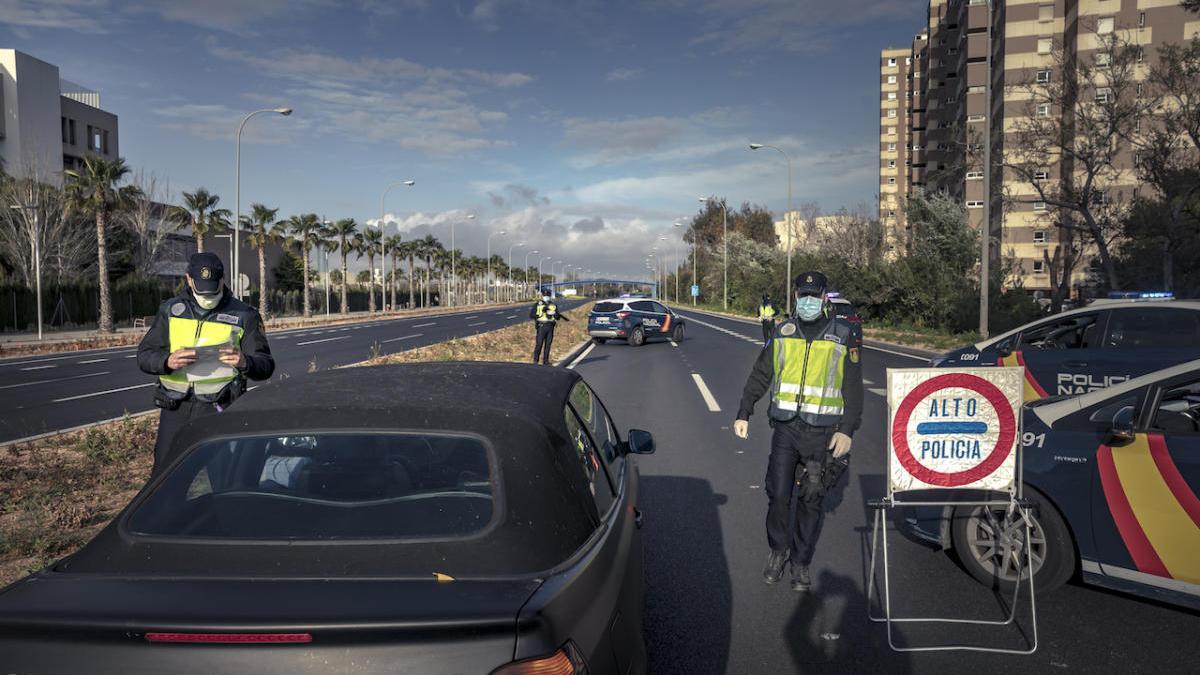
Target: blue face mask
(809, 307)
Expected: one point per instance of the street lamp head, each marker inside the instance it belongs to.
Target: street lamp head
(703, 200)
(755, 146)
(410, 183)
(284, 111)
(470, 216)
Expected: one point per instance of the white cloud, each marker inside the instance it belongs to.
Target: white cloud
(74, 15)
(232, 16)
(623, 74)
(651, 139)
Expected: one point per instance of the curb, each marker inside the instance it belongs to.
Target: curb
(575, 353)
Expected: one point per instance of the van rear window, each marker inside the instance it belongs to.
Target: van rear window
(607, 307)
(323, 487)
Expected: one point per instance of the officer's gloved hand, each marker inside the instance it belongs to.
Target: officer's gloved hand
(741, 429)
(839, 444)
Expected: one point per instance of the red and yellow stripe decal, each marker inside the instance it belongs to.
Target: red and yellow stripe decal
(1033, 390)
(1157, 514)
(666, 323)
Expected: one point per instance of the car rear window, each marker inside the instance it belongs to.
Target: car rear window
(606, 307)
(325, 486)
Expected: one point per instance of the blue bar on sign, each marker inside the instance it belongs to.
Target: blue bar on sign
(933, 428)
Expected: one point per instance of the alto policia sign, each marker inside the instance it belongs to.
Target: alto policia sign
(953, 428)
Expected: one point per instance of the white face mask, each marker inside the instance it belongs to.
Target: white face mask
(808, 307)
(545, 298)
(207, 301)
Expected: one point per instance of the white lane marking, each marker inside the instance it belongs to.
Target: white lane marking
(705, 393)
(477, 323)
(581, 355)
(52, 365)
(83, 363)
(468, 318)
(878, 391)
(317, 332)
(723, 330)
(132, 356)
(404, 337)
(422, 325)
(21, 363)
(313, 342)
(57, 379)
(75, 355)
(674, 344)
(101, 393)
(511, 316)
(342, 330)
(499, 313)
(892, 351)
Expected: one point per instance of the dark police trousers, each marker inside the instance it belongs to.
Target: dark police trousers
(169, 424)
(768, 326)
(545, 337)
(793, 526)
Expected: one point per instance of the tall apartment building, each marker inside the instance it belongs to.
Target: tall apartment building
(48, 123)
(895, 96)
(949, 113)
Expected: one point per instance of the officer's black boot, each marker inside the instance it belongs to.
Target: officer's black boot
(801, 581)
(773, 572)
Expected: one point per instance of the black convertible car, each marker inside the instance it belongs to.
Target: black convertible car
(431, 518)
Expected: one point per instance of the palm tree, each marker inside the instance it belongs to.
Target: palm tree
(93, 190)
(409, 250)
(305, 230)
(369, 242)
(201, 213)
(344, 231)
(392, 247)
(261, 229)
(429, 247)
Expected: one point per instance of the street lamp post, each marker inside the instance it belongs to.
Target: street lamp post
(382, 198)
(725, 247)
(325, 248)
(36, 249)
(787, 293)
(237, 197)
(487, 287)
(511, 288)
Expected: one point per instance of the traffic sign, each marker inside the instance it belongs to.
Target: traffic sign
(695, 290)
(953, 428)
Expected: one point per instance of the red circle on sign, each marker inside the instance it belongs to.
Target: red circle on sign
(997, 455)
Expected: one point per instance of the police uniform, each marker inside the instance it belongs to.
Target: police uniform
(545, 315)
(202, 388)
(812, 371)
(766, 315)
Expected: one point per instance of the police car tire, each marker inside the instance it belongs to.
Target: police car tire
(637, 338)
(1060, 559)
(677, 333)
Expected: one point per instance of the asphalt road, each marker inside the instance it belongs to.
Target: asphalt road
(707, 608)
(39, 394)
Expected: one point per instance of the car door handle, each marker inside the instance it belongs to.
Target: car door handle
(638, 520)
(1076, 364)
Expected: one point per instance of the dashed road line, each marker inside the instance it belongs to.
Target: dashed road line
(468, 318)
(52, 365)
(102, 393)
(404, 337)
(705, 393)
(422, 325)
(57, 379)
(83, 363)
(724, 330)
(313, 342)
(477, 323)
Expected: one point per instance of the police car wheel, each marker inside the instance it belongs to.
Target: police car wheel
(637, 338)
(677, 333)
(990, 545)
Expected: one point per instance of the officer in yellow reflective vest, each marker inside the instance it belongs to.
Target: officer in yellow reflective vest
(545, 316)
(766, 315)
(202, 346)
(811, 368)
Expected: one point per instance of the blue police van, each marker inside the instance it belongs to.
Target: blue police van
(1091, 347)
(1114, 477)
(634, 319)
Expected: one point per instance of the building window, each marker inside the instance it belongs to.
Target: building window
(952, 50)
(1043, 76)
(891, 131)
(1039, 206)
(891, 62)
(1103, 94)
(1141, 19)
(1043, 110)
(891, 147)
(1039, 236)
(1103, 59)
(891, 163)
(64, 129)
(891, 113)
(71, 130)
(975, 205)
(1099, 197)
(891, 214)
(908, 59)
(891, 79)
(891, 96)
(1104, 25)
(1039, 266)
(975, 118)
(977, 89)
(891, 180)
(1045, 12)
(974, 175)
(1041, 174)
(104, 141)
(1044, 45)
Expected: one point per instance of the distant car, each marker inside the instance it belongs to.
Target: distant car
(634, 320)
(450, 518)
(1091, 347)
(1114, 475)
(845, 309)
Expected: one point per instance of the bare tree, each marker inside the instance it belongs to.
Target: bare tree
(853, 236)
(65, 244)
(1068, 145)
(805, 230)
(148, 218)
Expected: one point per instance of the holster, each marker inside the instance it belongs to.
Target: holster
(165, 401)
(815, 478)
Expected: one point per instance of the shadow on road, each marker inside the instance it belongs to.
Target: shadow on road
(689, 597)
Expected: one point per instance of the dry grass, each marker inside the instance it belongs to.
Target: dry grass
(514, 343)
(57, 492)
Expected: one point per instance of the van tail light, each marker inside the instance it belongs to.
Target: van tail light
(231, 638)
(566, 661)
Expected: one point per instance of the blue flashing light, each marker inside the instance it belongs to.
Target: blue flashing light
(1141, 295)
(833, 294)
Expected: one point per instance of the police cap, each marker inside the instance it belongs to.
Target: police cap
(811, 283)
(206, 272)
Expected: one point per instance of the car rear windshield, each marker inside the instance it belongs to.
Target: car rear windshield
(325, 486)
(605, 307)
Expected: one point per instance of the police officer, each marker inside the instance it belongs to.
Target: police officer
(545, 315)
(766, 315)
(811, 368)
(202, 346)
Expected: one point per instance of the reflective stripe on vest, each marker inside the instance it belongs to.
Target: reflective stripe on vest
(808, 380)
(766, 312)
(189, 333)
(546, 312)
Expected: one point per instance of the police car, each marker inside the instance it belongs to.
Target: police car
(1115, 476)
(635, 319)
(845, 309)
(1091, 347)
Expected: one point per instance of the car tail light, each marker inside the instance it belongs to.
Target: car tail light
(622, 315)
(565, 661)
(231, 638)
(854, 318)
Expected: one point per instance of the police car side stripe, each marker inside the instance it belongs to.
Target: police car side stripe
(1170, 473)
(1122, 513)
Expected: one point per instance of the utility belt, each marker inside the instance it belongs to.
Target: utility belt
(168, 399)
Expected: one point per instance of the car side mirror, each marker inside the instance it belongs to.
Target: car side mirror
(640, 442)
(1122, 425)
(1005, 349)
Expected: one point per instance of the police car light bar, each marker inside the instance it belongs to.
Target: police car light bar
(1141, 295)
(833, 294)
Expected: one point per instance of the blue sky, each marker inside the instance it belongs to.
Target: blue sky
(583, 128)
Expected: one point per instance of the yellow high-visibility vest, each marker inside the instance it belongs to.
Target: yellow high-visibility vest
(546, 312)
(188, 333)
(766, 312)
(809, 375)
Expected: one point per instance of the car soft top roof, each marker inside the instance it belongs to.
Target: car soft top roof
(546, 508)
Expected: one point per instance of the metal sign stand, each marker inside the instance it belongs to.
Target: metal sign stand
(1014, 504)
